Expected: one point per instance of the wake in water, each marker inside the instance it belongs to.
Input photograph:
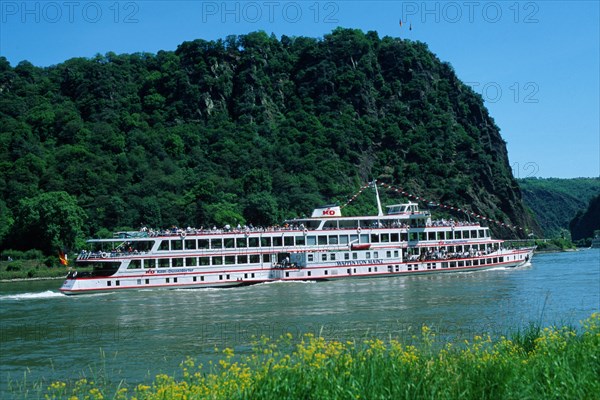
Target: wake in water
(48, 294)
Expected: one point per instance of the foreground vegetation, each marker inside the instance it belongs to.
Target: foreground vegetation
(31, 264)
(535, 363)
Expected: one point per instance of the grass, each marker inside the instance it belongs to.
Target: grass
(532, 363)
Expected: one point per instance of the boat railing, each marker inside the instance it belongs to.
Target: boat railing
(85, 255)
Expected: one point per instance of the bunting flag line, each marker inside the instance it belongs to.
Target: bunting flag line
(437, 204)
(431, 203)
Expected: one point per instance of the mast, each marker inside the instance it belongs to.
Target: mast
(379, 210)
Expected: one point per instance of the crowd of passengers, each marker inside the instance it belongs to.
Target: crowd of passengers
(175, 231)
(444, 255)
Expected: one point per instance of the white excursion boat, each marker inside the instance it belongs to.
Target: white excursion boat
(325, 246)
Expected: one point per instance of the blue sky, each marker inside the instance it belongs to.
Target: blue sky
(536, 63)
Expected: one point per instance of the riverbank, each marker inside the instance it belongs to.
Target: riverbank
(20, 270)
(532, 363)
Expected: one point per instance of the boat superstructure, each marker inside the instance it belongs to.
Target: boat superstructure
(327, 245)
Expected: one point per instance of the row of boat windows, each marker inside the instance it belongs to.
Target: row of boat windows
(174, 280)
(459, 264)
(313, 240)
(248, 259)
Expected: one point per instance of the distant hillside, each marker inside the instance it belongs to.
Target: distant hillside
(555, 202)
(586, 222)
(251, 128)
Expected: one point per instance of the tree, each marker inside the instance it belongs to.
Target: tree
(48, 222)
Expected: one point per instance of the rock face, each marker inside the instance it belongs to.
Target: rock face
(251, 129)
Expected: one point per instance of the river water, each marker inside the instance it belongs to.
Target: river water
(46, 336)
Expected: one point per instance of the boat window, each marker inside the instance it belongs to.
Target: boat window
(461, 263)
(413, 236)
(241, 242)
(368, 255)
(481, 233)
(458, 234)
(444, 265)
(266, 258)
(149, 263)
(288, 241)
(254, 259)
(265, 241)
(385, 238)
(190, 244)
(346, 256)
(322, 240)
(300, 241)
(323, 257)
(163, 263)
(353, 238)
(229, 260)
(242, 259)
(330, 225)
(466, 235)
(311, 240)
(375, 254)
(431, 236)
(217, 260)
(473, 234)
(203, 243)
(355, 256)
(177, 262)
(439, 235)
(388, 254)
(343, 239)
(395, 253)
(108, 283)
(404, 237)
(374, 238)
(333, 240)
(147, 281)
(310, 258)
(164, 245)
(253, 242)
(422, 236)
(191, 262)
(204, 260)
(277, 242)
(177, 244)
(332, 257)
(216, 243)
(229, 243)
(347, 224)
(135, 264)
(394, 237)
(364, 238)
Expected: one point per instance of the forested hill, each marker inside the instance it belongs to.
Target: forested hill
(555, 202)
(249, 128)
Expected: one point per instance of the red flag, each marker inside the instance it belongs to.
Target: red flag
(62, 257)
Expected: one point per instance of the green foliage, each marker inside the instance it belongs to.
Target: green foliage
(52, 220)
(247, 129)
(586, 223)
(555, 202)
